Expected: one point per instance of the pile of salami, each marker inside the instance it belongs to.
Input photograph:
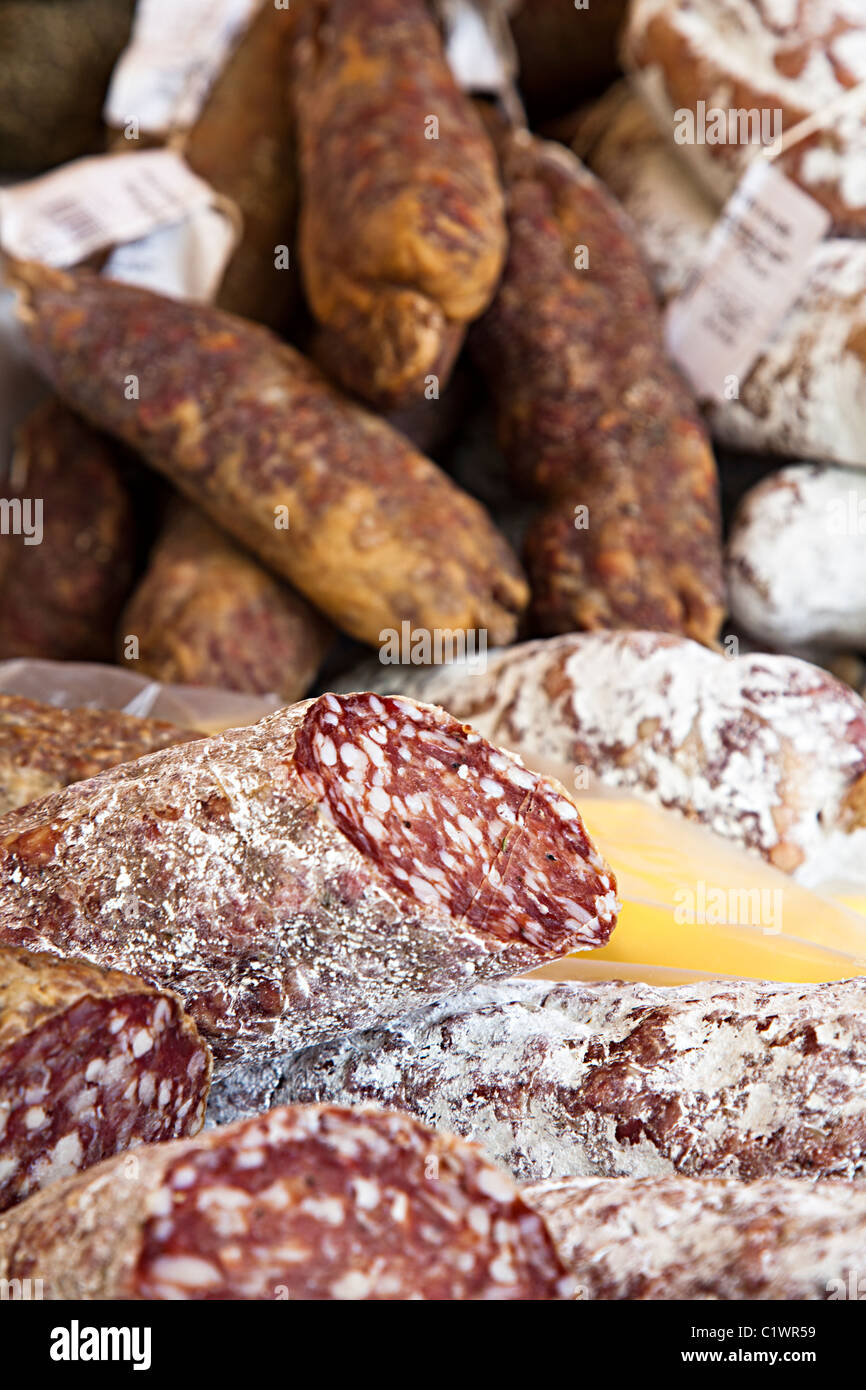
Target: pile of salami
(343, 366)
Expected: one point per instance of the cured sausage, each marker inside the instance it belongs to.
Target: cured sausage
(43, 748)
(679, 1238)
(737, 1079)
(65, 572)
(329, 867)
(242, 145)
(731, 742)
(302, 1203)
(206, 613)
(326, 495)
(401, 230)
(795, 564)
(594, 420)
(91, 1061)
(726, 76)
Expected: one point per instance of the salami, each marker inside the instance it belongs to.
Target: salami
(739, 1079)
(43, 749)
(325, 494)
(329, 867)
(679, 1238)
(757, 70)
(767, 751)
(596, 423)
(206, 613)
(91, 1061)
(242, 145)
(401, 231)
(66, 570)
(303, 1203)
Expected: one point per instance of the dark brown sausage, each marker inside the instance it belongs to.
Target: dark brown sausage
(401, 235)
(60, 598)
(595, 421)
(206, 613)
(327, 495)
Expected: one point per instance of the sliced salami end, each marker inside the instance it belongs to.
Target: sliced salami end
(324, 1203)
(455, 823)
(90, 1062)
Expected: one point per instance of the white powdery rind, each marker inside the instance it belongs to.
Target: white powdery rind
(806, 393)
(681, 1238)
(609, 1079)
(796, 559)
(763, 750)
(746, 55)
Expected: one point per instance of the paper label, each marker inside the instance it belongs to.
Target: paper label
(82, 207)
(754, 267)
(478, 44)
(177, 50)
(184, 261)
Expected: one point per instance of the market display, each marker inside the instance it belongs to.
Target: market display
(449, 416)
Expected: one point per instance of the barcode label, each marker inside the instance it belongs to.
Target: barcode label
(90, 204)
(176, 52)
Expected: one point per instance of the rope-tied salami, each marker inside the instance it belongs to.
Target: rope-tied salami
(257, 874)
(303, 1203)
(445, 816)
(91, 1061)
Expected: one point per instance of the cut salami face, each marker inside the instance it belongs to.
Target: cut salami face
(309, 1202)
(91, 1061)
(446, 817)
(328, 868)
(767, 751)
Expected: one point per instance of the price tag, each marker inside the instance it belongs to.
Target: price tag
(184, 261)
(754, 267)
(82, 207)
(177, 50)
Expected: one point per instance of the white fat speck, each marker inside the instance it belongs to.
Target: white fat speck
(35, 1117)
(329, 1210)
(379, 800)
(496, 1185)
(326, 749)
(142, 1042)
(353, 1285)
(185, 1271)
(368, 1194)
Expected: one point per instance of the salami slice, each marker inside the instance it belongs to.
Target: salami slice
(682, 1238)
(43, 748)
(768, 751)
(330, 867)
(738, 1079)
(303, 1203)
(91, 1061)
